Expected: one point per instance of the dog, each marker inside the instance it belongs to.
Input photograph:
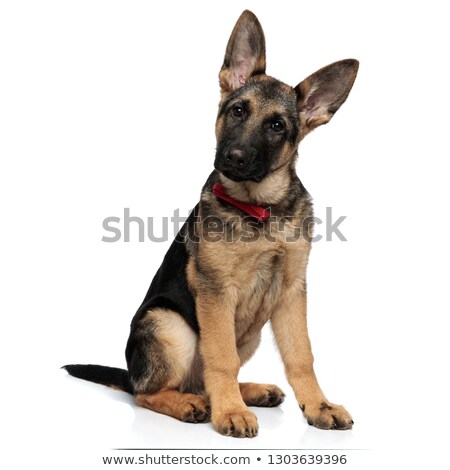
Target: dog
(240, 259)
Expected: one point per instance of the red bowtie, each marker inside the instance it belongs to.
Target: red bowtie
(259, 213)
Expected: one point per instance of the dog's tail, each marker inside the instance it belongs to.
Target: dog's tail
(109, 376)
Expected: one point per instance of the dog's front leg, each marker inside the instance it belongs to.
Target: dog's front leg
(230, 416)
(290, 329)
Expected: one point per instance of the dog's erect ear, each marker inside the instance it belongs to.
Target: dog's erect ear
(321, 94)
(245, 55)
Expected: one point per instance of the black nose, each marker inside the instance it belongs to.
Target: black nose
(237, 158)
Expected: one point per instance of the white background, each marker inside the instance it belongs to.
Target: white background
(106, 105)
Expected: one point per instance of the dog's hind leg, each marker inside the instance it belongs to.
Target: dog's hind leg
(183, 406)
(165, 367)
(261, 394)
(254, 394)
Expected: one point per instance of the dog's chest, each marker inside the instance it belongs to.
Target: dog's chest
(253, 265)
(260, 292)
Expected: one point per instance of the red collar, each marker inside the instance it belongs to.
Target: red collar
(259, 213)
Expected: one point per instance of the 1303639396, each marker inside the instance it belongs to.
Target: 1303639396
(307, 459)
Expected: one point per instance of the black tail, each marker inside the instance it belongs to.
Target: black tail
(109, 376)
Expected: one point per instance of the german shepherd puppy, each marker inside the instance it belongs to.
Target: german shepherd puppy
(240, 259)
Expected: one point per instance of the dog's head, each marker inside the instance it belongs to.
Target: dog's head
(262, 120)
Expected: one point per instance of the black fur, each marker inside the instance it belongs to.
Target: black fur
(262, 146)
(240, 156)
(259, 126)
(109, 376)
(169, 288)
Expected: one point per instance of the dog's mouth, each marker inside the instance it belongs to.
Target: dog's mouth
(238, 178)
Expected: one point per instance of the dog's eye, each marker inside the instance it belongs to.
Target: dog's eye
(238, 111)
(277, 126)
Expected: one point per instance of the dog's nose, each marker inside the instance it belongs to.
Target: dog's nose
(237, 158)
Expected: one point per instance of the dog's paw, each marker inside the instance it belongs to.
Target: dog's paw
(325, 415)
(261, 394)
(196, 410)
(236, 424)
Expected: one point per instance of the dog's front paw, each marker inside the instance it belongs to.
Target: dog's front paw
(236, 424)
(325, 415)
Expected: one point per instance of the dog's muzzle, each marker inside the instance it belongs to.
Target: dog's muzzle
(240, 164)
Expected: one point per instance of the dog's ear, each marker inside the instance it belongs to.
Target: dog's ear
(245, 55)
(321, 94)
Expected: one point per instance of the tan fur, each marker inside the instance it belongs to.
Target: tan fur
(242, 60)
(271, 190)
(233, 267)
(174, 351)
(215, 314)
(179, 342)
(290, 329)
(274, 187)
(317, 108)
(241, 273)
(261, 394)
(251, 281)
(182, 406)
